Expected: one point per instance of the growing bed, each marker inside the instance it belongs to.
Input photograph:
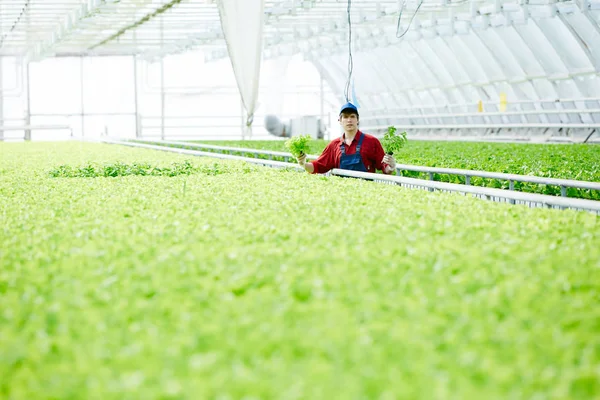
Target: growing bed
(223, 280)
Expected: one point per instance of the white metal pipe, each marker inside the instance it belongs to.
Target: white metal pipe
(162, 84)
(33, 127)
(138, 127)
(226, 148)
(545, 200)
(1, 84)
(81, 95)
(408, 167)
(28, 105)
(484, 114)
(1, 91)
(162, 98)
(322, 103)
(488, 126)
(555, 101)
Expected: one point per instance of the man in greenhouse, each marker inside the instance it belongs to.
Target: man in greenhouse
(354, 150)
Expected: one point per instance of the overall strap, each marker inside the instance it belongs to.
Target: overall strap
(343, 145)
(362, 136)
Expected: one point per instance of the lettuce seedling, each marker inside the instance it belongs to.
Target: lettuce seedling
(393, 142)
(298, 145)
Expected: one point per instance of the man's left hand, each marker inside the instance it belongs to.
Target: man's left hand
(389, 160)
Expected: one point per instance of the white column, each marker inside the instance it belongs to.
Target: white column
(28, 105)
(28, 82)
(162, 83)
(322, 111)
(81, 97)
(138, 124)
(1, 98)
(1, 86)
(162, 98)
(138, 128)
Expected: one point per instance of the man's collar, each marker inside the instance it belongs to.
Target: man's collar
(356, 137)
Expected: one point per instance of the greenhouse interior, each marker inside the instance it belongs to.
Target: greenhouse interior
(300, 199)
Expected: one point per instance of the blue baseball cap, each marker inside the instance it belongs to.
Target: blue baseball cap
(349, 107)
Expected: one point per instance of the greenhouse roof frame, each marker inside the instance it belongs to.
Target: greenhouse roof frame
(459, 57)
(38, 29)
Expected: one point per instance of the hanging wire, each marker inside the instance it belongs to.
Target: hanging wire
(411, 20)
(350, 62)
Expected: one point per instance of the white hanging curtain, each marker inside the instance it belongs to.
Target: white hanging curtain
(275, 71)
(242, 24)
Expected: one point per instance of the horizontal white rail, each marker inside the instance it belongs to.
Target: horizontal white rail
(544, 200)
(504, 176)
(33, 127)
(561, 102)
(490, 125)
(225, 148)
(480, 192)
(511, 178)
(279, 164)
(483, 114)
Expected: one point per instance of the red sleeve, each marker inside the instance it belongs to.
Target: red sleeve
(326, 160)
(378, 154)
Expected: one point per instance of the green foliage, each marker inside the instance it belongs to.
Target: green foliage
(226, 287)
(577, 161)
(144, 169)
(391, 142)
(298, 145)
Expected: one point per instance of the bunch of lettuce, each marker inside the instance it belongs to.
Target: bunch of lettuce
(298, 145)
(393, 142)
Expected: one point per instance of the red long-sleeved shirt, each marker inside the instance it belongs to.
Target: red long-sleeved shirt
(371, 152)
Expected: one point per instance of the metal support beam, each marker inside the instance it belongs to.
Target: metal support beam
(137, 23)
(1, 86)
(28, 81)
(81, 96)
(582, 44)
(585, 9)
(322, 111)
(162, 98)
(162, 82)
(1, 96)
(135, 97)
(28, 105)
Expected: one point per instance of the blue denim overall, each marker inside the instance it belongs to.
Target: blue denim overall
(353, 161)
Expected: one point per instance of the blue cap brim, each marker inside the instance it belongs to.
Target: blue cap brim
(349, 107)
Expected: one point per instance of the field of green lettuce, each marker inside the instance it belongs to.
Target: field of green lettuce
(139, 274)
(579, 161)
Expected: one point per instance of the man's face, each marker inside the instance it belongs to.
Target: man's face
(349, 120)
